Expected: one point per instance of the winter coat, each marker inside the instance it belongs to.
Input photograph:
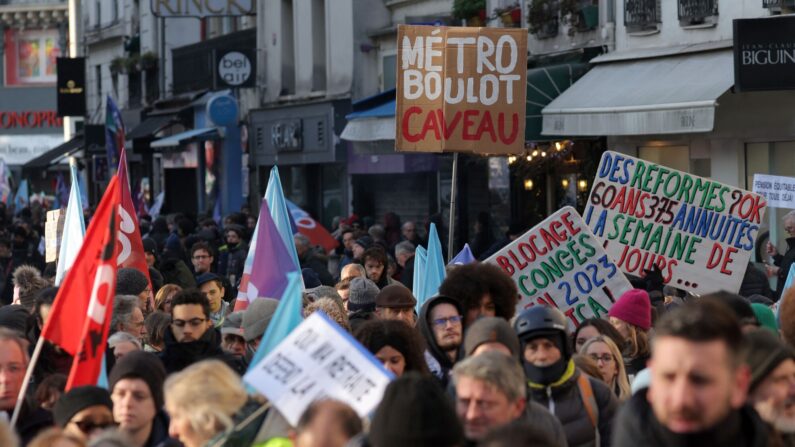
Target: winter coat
(231, 262)
(784, 262)
(158, 437)
(177, 356)
(438, 361)
(755, 283)
(407, 275)
(318, 263)
(564, 399)
(32, 420)
(175, 271)
(634, 365)
(243, 436)
(637, 425)
(545, 421)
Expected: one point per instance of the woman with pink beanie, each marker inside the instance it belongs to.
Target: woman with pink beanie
(631, 316)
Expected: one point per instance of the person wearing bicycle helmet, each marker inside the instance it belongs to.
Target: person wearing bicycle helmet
(584, 405)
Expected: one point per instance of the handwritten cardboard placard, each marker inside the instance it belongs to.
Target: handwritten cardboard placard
(53, 230)
(461, 89)
(777, 190)
(699, 232)
(319, 360)
(560, 263)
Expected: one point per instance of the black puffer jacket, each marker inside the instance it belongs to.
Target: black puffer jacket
(177, 356)
(784, 262)
(438, 362)
(564, 400)
(636, 425)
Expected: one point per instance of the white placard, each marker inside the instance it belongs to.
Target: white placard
(560, 263)
(319, 360)
(699, 232)
(778, 191)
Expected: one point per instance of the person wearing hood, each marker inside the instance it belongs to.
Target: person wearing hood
(584, 405)
(192, 336)
(441, 324)
(136, 387)
(699, 384)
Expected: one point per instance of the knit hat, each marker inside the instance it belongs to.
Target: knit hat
(233, 324)
(150, 246)
(765, 317)
(362, 293)
(415, 411)
(365, 241)
(141, 365)
(633, 307)
(130, 281)
(14, 317)
(329, 292)
(29, 281)
(395, 296)
(77, 400)
(765, 353)
(241, 232)
(257, 317)
(491, 329)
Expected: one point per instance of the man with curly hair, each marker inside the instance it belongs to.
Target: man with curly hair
(484, 290)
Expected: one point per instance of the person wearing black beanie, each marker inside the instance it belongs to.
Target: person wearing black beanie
(416, 412)
(84, 412)
(136, 384)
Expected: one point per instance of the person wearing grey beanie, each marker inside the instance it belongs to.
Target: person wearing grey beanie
(361, 301)
(131, 281)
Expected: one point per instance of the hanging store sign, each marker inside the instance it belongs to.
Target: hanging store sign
(203, 8)
(764, 54)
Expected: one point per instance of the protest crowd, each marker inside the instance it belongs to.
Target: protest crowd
(464, 365)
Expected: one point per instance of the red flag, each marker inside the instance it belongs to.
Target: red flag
(80, 315)
(131, 250)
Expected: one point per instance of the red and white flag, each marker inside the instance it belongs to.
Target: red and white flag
(131, 250)
(80, 317)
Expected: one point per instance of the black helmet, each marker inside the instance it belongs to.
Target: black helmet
(543, 321)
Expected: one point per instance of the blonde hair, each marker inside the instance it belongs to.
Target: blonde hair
(207, 394)
(163, 293)
(637, 344)
(621, 380)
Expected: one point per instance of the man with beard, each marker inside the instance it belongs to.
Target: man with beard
(698, 386)
(441, 323)
(193, 337)
(772, 390)
(584, 405)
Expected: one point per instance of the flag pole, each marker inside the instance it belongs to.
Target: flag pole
(28, 374)
(451, 227)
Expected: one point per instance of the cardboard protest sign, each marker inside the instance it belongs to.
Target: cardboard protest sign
(699, 232)
(560, 263)
(461, 89)
(319, 360)
(53, 229)
(778, 191)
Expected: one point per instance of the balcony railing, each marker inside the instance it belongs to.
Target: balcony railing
(641, 15)
(770, 4)
(695, 12)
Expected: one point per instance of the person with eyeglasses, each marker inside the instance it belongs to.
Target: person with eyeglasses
(193, 336)
(84, 412)
(783, 262)
(441, 324)
(605, 353)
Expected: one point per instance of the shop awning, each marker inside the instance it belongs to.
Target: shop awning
(544, 84)
(56, 154)
(206, 133)
(665, 95)
(373, 119)
(150, 126)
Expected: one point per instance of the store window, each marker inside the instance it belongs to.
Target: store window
(389, 71)
(676, 157)
(30, 57)
(776, 158)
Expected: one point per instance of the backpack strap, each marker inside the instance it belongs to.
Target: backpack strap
(588, 399)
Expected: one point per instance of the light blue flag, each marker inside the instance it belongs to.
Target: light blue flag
(22, 197)
(287, 317)
(463, 257)
(420, 259)
(74, 228)
(790, 279)
(102, 380)
(281, 216)
(434, 267)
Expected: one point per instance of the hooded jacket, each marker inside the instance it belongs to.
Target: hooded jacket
(637, 425)
(564, 399)
(439, 363)
(177, 356)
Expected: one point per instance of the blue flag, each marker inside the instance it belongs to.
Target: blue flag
(114, 132)
(420, 259)
(287, 317)
(463, 257)
(434, 267)
(74, 228)
(281, 216)
(22, 197)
